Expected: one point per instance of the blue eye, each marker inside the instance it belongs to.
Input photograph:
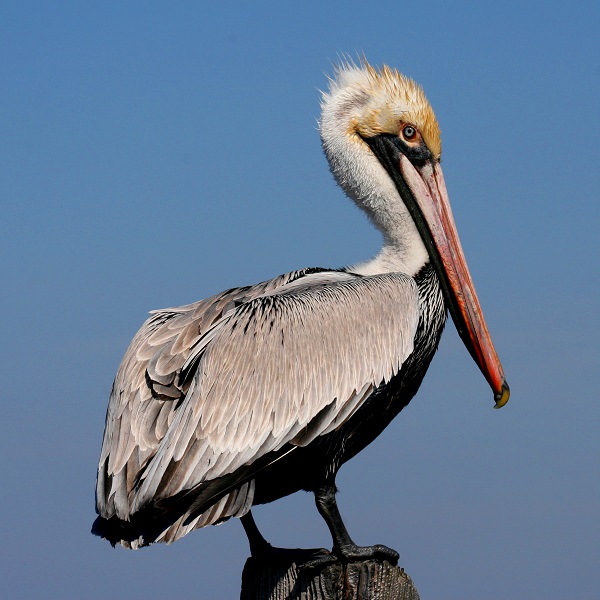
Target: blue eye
(409, 132)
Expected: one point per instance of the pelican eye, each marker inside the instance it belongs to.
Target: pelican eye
(409, 132)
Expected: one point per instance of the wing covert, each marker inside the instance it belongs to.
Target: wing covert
(147, 394)
(283, 367)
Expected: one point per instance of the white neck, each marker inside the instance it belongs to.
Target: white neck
(364, 179)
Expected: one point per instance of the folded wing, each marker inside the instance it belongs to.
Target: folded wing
(207, 389)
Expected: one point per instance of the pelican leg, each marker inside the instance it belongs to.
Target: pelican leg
(261, 549)
(258, 544)
(343, 546)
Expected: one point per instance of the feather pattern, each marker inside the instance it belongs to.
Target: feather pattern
(210, 387)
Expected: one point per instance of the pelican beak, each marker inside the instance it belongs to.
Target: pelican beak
(427, 199)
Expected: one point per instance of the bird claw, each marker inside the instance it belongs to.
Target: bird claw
(353, 553)
(318, 562)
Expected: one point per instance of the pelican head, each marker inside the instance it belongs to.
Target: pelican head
(383, 144)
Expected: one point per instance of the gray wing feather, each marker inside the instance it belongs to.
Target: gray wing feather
(140, 409)
(210, 387)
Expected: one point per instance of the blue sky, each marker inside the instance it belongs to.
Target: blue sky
(156, 153)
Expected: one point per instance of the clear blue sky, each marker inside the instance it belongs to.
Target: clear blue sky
(155, 153)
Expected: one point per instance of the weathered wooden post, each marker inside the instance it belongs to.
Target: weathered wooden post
(361, 580)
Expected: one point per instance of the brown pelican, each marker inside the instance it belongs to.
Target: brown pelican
(261, 391)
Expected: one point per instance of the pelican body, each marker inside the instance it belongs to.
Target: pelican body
(261, 391)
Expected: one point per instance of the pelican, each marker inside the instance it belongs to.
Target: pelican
(261, 391)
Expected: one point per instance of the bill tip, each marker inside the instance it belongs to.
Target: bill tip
(502, 398)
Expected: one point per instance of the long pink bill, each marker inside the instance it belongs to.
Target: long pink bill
(429, 190)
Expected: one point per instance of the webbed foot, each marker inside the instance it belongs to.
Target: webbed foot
(353, 553)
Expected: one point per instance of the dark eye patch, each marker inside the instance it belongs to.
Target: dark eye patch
(417, 154)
